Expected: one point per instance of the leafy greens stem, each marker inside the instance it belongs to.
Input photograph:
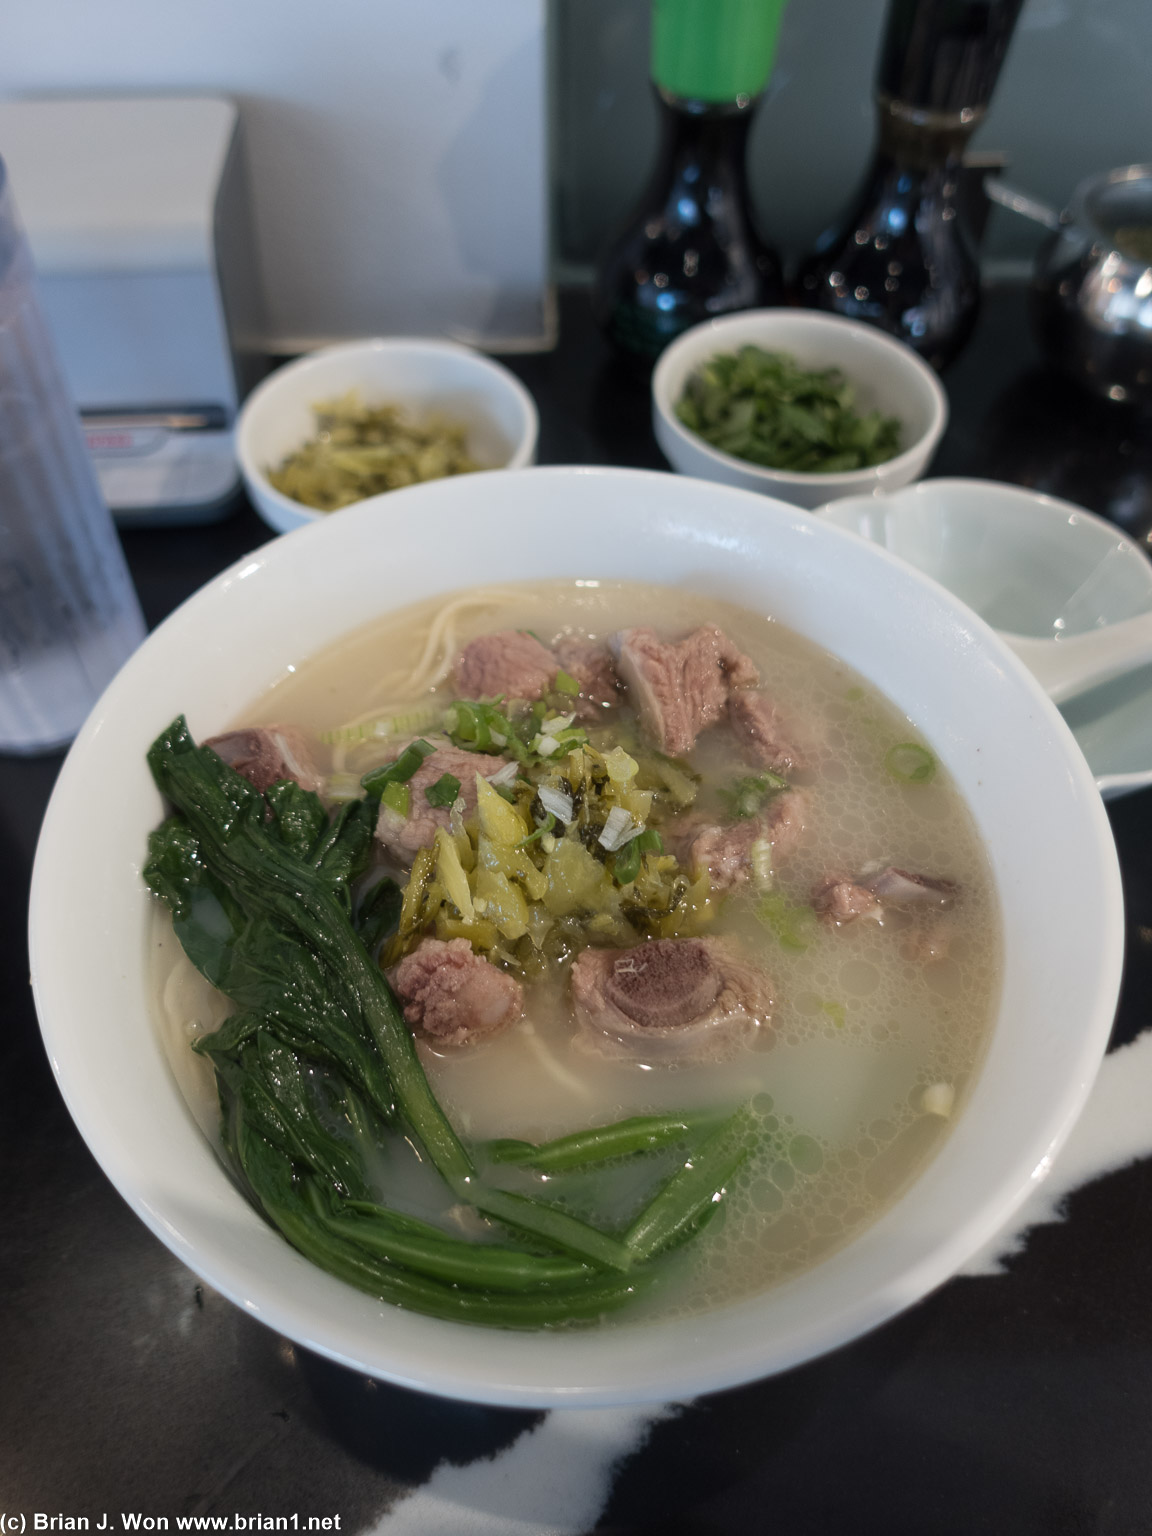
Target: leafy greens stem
(603, 1143)
(269, 1173)
(567, 1233)
(416, 1245)
(693, 1191)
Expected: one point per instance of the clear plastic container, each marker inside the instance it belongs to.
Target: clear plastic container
(69, 616)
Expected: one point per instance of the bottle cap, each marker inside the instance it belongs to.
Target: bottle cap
(714, 50)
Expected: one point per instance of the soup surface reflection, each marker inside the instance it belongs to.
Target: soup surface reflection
(863, 912)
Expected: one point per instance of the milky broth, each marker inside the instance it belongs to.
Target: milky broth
(875, 1026)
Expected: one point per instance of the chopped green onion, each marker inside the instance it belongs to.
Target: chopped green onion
(476, 727)
(445, 791)
(626, 864)
(911, 763)
(376, 780)
(572, 736)
(566, 683)
(747, 796)
(539, 832)
(792, 926)
(344, 786)
(416, 719)
(397, 797)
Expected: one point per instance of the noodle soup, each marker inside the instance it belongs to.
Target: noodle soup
(864, 915)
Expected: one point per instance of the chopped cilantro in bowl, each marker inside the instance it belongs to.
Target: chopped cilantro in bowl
(763, 407)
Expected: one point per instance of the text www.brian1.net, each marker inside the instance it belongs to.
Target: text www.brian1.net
(20, 1524)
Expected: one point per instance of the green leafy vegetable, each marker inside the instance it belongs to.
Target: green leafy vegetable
(379, 913)
(317, 1063)
(603, 1143)
(761, 406)
(690, 1194)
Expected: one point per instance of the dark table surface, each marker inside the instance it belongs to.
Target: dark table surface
(1019, 1402)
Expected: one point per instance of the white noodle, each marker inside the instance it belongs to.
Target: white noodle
(547, 1059)
(435, 663)
(440, 647)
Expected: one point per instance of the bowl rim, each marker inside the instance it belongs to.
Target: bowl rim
(257, 401)
(689, 339)
(298, 1301)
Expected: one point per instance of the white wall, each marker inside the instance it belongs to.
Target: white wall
(397, 151)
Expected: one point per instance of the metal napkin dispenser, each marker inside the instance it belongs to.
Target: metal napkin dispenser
(137, 216)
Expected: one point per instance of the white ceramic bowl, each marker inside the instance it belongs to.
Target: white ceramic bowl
(887, 375)
(1031, 565)
(1027, 784)
(427, 377)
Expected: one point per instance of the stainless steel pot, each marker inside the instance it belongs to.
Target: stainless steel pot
(1091, 298)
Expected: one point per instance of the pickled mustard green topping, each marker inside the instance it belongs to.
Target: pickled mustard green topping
(360, 450)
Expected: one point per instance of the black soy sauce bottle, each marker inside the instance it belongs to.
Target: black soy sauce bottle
(690, 250)
(902, 259)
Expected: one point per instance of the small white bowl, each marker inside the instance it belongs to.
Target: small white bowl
(886, 375)
(426, 377)
(1031, 565)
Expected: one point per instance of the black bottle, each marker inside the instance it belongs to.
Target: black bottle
(902, 259)
(690, 251)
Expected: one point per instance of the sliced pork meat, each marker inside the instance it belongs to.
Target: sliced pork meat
(268, 753)
(454, 996)
(668, 999)
(727, 850)
(404, 836)
(592, 667)
(510, 664)
(680, 688)
(842, 899)
(513, 664)
(761, 733)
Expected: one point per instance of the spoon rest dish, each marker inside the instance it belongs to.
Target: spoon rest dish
(1041, 571)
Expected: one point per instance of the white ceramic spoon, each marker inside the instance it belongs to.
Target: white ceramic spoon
(1069, 666)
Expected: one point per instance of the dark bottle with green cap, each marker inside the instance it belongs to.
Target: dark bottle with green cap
(690, 251)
